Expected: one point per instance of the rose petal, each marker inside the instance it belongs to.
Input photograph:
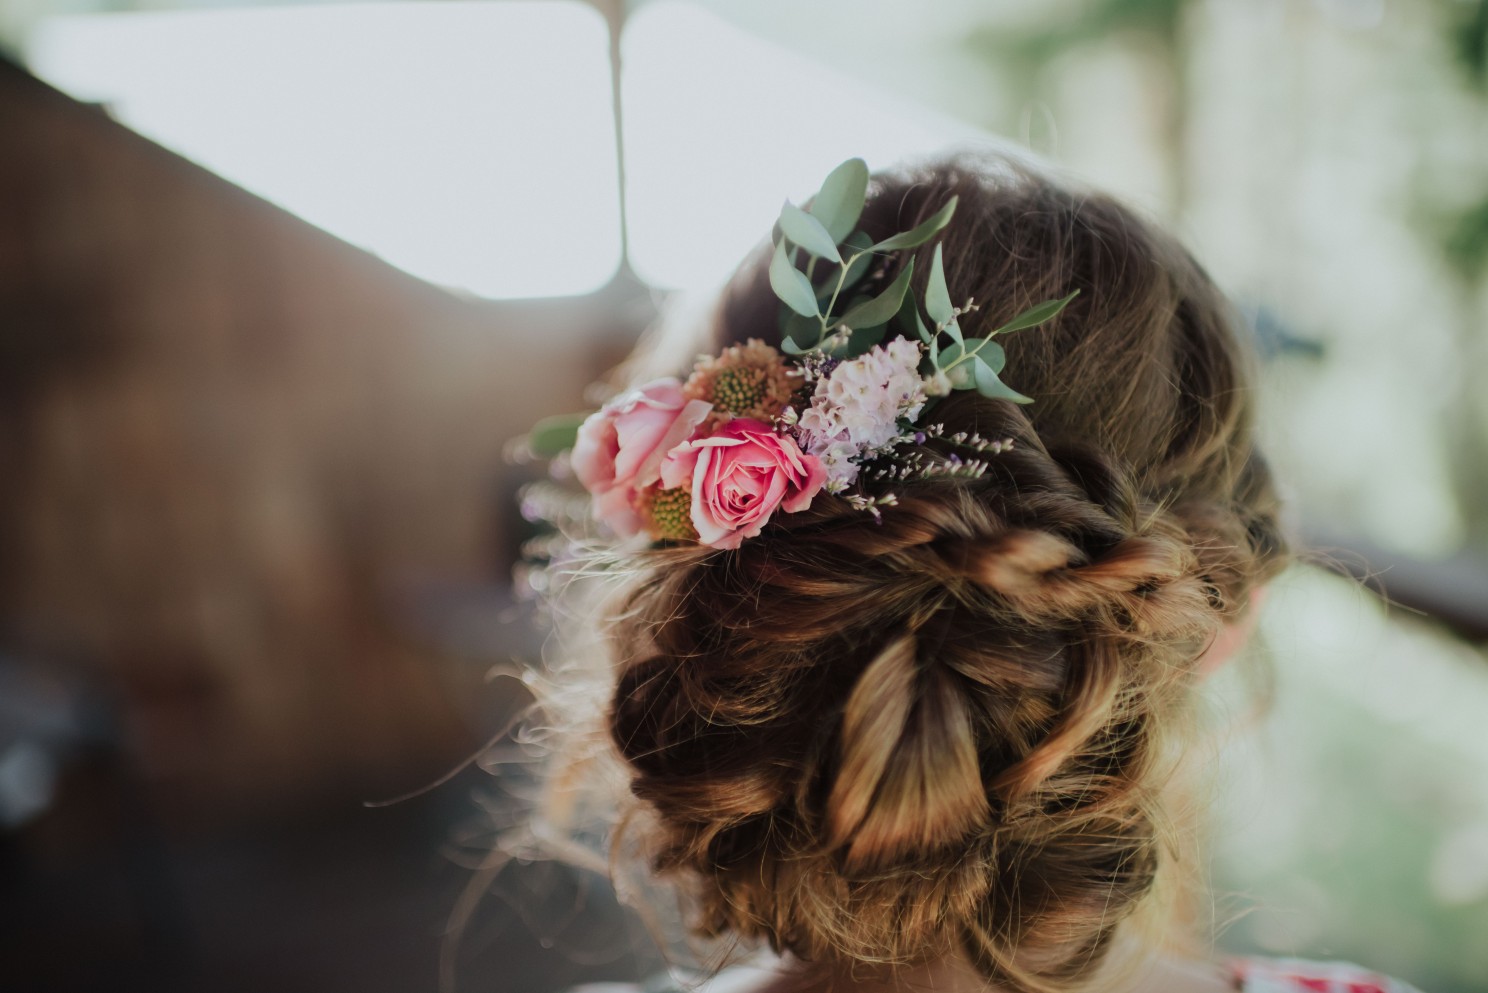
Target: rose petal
(816, 478)
(741, 476)
(594, 451)
(616, 509)
(710, 531)
(693, 413)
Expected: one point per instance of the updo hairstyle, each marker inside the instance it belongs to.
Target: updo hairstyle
(944, 733)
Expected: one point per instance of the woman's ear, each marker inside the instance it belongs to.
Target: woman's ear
(1233, 636)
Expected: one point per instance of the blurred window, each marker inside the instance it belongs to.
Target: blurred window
(718, 122)
(470, 144)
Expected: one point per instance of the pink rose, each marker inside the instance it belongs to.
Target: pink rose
(739, 476)
(620, 447)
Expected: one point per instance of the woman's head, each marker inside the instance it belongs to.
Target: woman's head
(942, 732)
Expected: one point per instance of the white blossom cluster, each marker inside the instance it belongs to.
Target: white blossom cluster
(856, 408)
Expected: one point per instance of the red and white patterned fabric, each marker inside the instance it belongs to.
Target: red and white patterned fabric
(1259, 975)
(1251, 975)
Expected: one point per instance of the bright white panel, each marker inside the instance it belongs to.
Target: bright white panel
(720, 126)
(471, 144)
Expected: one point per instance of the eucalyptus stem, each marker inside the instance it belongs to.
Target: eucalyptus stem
(841, 276)
(965, 354)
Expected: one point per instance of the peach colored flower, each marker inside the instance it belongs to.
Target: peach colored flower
(620, 447)
(739, 477)
(749, 380)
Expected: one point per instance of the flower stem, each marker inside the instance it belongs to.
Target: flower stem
(846, 265)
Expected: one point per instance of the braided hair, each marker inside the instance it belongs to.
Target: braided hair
(943, 732)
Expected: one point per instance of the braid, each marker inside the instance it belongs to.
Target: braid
(943, 732)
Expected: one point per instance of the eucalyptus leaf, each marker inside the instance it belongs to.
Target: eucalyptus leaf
(847, 304)
(921, 233)
(863, 339)
(882, 307)
(802, 329)
(974, 349)
(857, 244)
(553, 435)
(1034, 316)
(840, 202)
(909, 319)
(988, 385)
(791, 285)
(960, 350)
(937, 296)
(789, 347)
(806, 231)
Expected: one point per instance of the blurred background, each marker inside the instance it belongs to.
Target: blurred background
(279, 281)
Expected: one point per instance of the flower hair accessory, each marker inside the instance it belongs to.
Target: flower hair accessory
(837, 409)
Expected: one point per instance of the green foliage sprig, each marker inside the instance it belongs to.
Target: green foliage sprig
(813, 322)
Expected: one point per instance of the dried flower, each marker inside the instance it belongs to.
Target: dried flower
(749, 380)
(857, 405)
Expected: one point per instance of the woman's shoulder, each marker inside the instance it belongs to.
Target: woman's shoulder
(1267, 975)
(1249, 975)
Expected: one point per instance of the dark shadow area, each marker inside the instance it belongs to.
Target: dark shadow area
(256, 536)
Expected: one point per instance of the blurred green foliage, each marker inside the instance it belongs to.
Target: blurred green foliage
(1096, 21)
(1465, 241)
(1469, 36)
(1462, 234)
(1341, 848)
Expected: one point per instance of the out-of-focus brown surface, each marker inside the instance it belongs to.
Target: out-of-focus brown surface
(230, 441)
(244, 464)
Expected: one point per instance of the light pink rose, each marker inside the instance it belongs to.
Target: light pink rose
(739, 476)
(620, 447)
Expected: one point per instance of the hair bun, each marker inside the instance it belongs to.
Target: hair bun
(869, 705)
(908, 776)
(882, 741)
(1148, 582)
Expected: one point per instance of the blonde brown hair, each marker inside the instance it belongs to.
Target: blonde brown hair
(943, 733)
